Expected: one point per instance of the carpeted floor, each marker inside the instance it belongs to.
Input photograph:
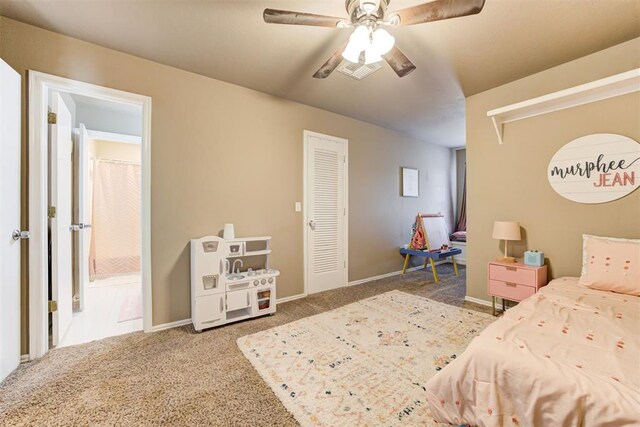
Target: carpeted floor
(179, 377)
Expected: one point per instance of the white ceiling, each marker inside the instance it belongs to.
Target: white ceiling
(228, 40)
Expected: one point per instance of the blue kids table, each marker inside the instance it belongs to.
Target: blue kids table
(430, 256)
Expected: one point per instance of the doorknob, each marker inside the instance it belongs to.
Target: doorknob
(17, 235)
(78, 227)
(312, 225)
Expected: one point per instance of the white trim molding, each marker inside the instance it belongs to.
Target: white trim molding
(184, 322)
(609, 87)
(170, 325)
(291, 298)
(24, 358)
(40, 84)
(478, 301)
(387, 275)
(115, 137)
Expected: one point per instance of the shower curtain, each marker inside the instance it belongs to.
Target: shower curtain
(115, 231)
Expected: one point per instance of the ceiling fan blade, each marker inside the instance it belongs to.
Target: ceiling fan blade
(399, 62)
(275, 16)
(436, 11)
(331, 64)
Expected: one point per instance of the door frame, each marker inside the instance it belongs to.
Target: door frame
(305, 218)
(38, 97)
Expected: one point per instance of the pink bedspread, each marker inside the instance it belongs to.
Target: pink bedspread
(567, 356)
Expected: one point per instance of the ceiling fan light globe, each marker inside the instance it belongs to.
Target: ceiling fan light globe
(382, 41)
(360, 36)
(371, 56)
(352, 53)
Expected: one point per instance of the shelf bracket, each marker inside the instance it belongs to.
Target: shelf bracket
(499, 127)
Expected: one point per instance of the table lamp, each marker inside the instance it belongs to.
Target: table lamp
(506, 230)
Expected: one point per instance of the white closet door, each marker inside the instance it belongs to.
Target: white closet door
(9, 219)
(60, 187)
(325, 212)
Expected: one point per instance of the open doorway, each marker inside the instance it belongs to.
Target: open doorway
(95, 188)
(91, 252)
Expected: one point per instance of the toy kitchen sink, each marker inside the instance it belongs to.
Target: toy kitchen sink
(220, 295)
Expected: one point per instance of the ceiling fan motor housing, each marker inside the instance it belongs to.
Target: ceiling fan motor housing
(357, 14)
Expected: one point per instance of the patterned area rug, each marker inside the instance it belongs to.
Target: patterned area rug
(366, 363)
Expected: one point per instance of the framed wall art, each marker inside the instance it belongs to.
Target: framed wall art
(410, 182)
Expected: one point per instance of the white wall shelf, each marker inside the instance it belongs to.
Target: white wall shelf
(609, 87)
(251, 253)
(250, 239)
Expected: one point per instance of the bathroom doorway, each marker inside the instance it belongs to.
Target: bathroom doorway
(105, 233)
(97, 198)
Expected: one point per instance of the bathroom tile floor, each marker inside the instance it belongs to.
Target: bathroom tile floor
(107, 312)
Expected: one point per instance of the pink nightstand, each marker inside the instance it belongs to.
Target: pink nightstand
(514, 281)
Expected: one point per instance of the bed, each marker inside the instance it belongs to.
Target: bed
(567, 356)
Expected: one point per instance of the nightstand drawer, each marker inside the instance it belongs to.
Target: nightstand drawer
(503, 273)
(509, 290)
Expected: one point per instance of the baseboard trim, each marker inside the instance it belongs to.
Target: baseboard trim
(383, 276)
(178, 323)
(291, 298)
(170, 325)
(24, 358)
(478, 301)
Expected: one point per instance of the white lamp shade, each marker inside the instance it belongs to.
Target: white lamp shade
(506, 230)
(371, 56)
(358, 41)
(351, 54)
(382, 41)
(374, 45)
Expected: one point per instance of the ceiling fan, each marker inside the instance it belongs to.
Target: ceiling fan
(369, 17)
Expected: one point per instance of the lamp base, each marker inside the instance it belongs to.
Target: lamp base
(507, 259)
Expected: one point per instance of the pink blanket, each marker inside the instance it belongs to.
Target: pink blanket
(567, 356)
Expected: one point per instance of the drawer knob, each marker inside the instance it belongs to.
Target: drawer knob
(511, 284)
(512, 268)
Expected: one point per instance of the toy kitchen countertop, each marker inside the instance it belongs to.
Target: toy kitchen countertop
(252, 274)
(252, 277)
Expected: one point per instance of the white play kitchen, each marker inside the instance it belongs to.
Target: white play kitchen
(220, 292)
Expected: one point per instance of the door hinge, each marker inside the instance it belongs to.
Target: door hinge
(52, 118)
(51, 213)
(53, 306)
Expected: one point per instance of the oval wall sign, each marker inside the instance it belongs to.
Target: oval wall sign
(596, 168)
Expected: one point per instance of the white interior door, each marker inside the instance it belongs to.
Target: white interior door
(326, 212)
(82, 213)
(9, 219)
(60, 190)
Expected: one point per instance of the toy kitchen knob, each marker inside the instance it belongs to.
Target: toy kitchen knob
(263, 281)
(256, 283)
(270, 280)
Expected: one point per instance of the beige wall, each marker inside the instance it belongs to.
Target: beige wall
(110, 150)
(508, 182)
(222, 153)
